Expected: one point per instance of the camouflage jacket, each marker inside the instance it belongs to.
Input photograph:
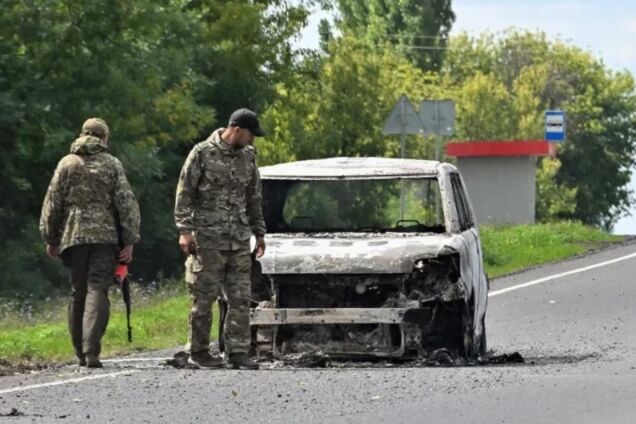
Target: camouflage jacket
(219, 195)
(89, 199)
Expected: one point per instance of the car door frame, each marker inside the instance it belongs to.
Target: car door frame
(461, 220)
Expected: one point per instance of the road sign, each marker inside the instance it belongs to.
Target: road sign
(403, 119)
(438, 117)
(555, 125)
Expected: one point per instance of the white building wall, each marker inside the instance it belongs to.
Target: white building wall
(501, 189)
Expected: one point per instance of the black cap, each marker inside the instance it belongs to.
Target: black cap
(245, 118)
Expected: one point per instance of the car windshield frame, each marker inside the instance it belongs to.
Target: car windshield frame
(277, 194)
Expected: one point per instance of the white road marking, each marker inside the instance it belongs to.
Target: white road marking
(561, 275)
(69, 381)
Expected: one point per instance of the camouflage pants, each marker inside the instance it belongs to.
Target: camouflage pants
(208, 275)
(92, 267)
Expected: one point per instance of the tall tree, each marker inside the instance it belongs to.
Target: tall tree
(338, 106)
(162, 73)
(418, 28)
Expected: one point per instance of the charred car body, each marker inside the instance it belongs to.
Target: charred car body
(368, 257)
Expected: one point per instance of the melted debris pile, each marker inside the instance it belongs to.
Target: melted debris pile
(438, 358)
(180, 360)
(505, 358)
(307, 360)
(12, 413)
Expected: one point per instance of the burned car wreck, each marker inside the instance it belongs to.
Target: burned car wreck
(368, 257)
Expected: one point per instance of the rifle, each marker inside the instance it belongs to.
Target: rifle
(121, 276)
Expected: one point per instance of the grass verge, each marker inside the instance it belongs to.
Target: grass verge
(514, 248)
(161, 319)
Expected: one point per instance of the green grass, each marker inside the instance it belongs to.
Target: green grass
(510, 249)
(161, 320)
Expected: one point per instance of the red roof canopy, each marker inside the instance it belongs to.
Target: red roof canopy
(501, 148)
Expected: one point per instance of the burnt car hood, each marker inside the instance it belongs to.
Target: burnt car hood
(351, 253)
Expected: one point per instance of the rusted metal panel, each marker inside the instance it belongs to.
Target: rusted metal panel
(337, 316)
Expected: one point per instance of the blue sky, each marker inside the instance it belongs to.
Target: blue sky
(605, 28)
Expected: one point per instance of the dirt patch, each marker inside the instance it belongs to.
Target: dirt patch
(8, 368)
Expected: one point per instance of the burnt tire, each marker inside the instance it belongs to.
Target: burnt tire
(483, 345)
(472, 346)
(467, 334)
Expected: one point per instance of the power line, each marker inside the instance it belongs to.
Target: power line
(450, 37)
(432, 37)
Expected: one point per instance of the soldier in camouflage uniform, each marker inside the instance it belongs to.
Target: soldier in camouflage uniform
(88, 211)
(218, 208)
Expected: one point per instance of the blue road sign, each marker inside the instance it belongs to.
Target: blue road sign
(555, 125)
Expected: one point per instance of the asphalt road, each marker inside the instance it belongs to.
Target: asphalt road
(577, 333)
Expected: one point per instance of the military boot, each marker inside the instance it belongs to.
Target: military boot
(241, 361)
(92, 361)
(205, 360)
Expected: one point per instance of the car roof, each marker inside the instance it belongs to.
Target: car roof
(352, 168)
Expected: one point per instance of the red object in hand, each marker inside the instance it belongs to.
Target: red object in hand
(121, 272)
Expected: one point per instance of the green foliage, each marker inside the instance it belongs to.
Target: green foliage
(165, 73)
(339, 109)
(160, 321)
(162, 73)
(417, 28)
(553, 200)
(481, 100)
